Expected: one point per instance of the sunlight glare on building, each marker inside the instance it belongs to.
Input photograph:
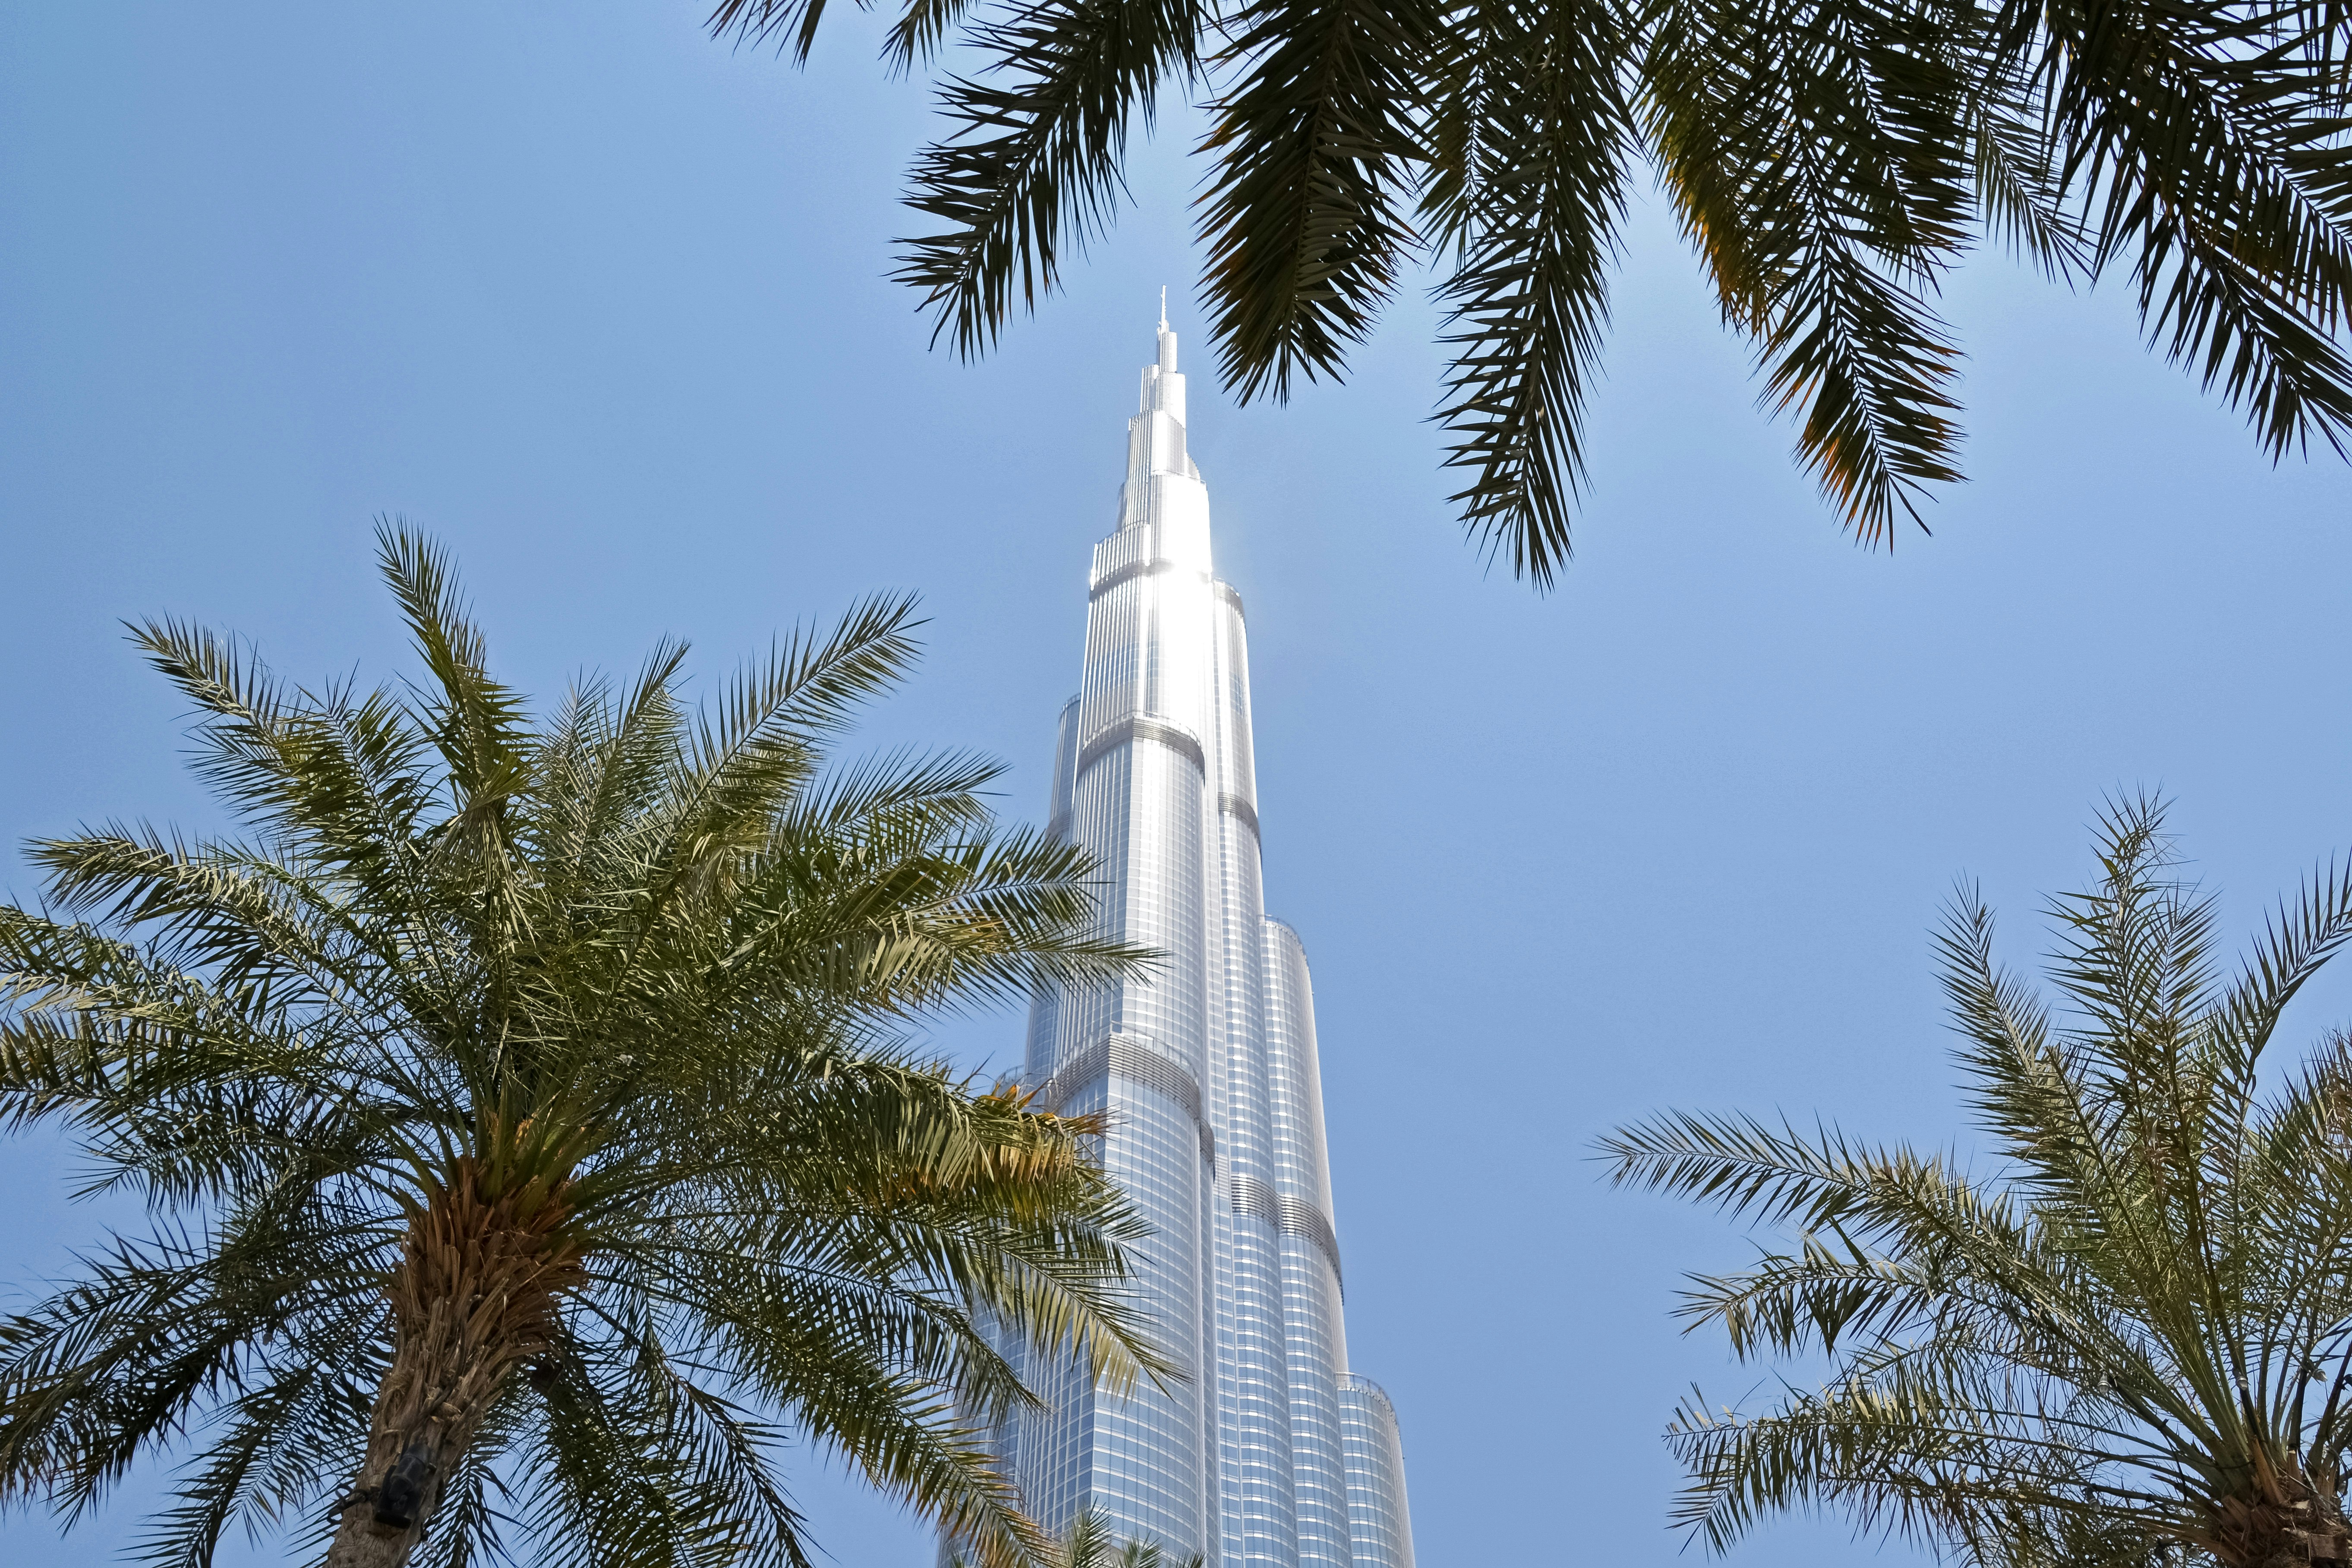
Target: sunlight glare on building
(1270, 1454)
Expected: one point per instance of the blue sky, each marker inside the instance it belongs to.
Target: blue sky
(602, 304)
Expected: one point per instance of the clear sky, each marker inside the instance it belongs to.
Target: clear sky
(602, 304)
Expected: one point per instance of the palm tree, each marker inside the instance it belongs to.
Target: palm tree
(2130, 1341)
(528, 1113)
(1830, 161)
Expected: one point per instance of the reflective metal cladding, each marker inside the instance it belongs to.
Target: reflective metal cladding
(1270, 1454)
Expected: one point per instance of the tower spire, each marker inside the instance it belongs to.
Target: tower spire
(1167, 355)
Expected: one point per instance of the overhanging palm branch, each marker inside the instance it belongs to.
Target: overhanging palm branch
(2132, 1342)
(1304, 219)
(1831, 160)
(1816, 151)
(1531, 138)
(1033, 164)
(531, 1122)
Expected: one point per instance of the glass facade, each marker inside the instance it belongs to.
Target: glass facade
(1270, 1455)
(1381, 1525)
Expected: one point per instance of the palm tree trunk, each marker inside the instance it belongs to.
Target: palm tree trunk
(474, 1297)
(2286, 1521)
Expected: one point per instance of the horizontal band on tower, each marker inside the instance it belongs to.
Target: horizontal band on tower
(1136, 568)
(1110, 737)
(1238, 807)
(1356, 1383)
(1288, 1215)
(1137, 1063)
(1254, 1197)
(1153, 567)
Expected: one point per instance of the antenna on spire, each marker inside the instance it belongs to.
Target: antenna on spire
(1167, 357)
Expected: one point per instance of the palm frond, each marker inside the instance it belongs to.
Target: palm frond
(1305, 218)
(2208, 142)
(1531, 188)
(1032, 164)
(476, 723)
(791, 24)
(1813, 150)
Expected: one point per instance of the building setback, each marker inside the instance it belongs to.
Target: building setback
(1271, 1454)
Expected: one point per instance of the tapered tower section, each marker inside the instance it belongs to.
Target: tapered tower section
(1258, 1458)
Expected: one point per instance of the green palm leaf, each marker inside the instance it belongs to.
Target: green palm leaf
(1305, 217)
(1831, 160)
(1032, 165)
(1533, 132)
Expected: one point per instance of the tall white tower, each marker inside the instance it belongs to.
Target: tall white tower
(1271, 1454)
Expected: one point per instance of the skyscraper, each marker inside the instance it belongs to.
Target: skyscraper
(1271, 1454)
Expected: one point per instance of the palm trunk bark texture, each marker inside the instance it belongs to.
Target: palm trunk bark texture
(2288, 1522)
(474, 1297)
